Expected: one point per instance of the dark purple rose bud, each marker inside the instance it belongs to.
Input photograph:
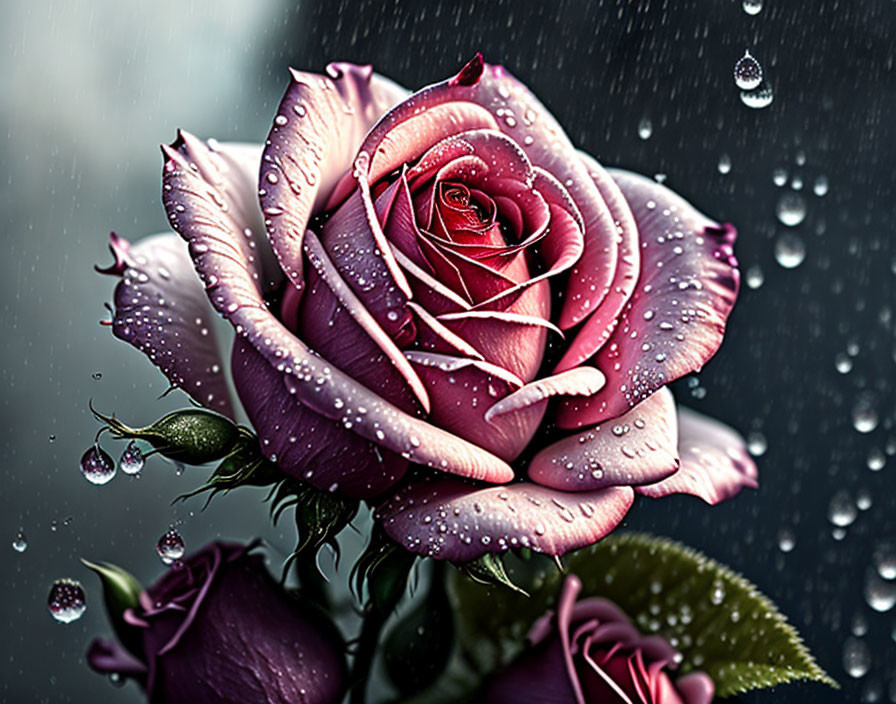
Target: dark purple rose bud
(220, 629)
(589, 652)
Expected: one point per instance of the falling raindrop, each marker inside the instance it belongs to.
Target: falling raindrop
(863, 500)
(821, 186)
(843, 363)
(885, 560)
(755, 278)
(752, 7)
(20, 542)
(876, 459)
(786, 540)
(97, 376)
(724, 164)
(879, 594)
(747, 72)
(789, 251)
(756, 444)
(791, 209)
(97, 466)
(841, 510)
(170, 547)
(757, 99)
(645, 128)
(864, 415)
(67, 601)
(856, 657)
(131, 461)
(779, 176)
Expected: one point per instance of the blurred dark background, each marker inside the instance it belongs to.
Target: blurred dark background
(90, 88)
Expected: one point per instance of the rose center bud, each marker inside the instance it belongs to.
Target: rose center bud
(465, 216)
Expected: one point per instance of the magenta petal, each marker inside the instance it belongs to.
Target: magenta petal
(450, 519)
(303, 443)
(583, 381)
(161, 309)
(715, 464)
(676, 318)
(319, 124)
(108, 657)
(433, 336)
(696, 688)
(638, 447)
(195, 210)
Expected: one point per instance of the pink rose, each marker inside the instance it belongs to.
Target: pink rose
(420, 278)
(590, 653)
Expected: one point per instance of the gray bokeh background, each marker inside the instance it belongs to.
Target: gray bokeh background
(89, 89)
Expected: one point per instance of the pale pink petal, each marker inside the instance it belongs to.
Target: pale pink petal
(582, 381)
(161, 309)
(676, 318)
(715, 464)
(696, 688)
(450, 519)
(638, 447)
(433, 336)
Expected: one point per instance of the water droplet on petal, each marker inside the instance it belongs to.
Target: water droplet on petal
(747, 72)
(170, 547)
(97, 466)
(131, 461)
(67, 601)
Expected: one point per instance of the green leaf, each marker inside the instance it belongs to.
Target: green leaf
(718, 620)
(121, 591)
(489, 569)
(385, 567)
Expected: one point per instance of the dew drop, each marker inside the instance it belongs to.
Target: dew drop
(864, 415)
(757, 99)
(791, 209)
(754, 277)
(97, 466)
(789, 251)
(880, 595)
(645, 128)
(20, 542)
(67, 601)
(131, 460)
(786, 540)
(757, 444)
(821, 186)
(752, 7)
(724, 164)
(884, 557)
(747, 72)
(170, 547)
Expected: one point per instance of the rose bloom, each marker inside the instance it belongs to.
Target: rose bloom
(590, 652)
(220, 629)
(419, 284)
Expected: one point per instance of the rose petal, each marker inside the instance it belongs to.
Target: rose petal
(462, 389)
(197, 214)
(600, 323)
(431, 293)
(433, 336)
(583, 381)
(107, 657)
(715, 464)
(696, 688)
(161, 309)
(638, 447)
(303, 443)
(450, 519)
(347, 346)
(319, 124)
(675, 320)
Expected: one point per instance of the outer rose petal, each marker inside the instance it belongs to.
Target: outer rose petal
(195, 210)
(303, 443)
(450, 519)
(715, 464)
(161, 309)
(319, 125)
(675, 320)
(638, 447)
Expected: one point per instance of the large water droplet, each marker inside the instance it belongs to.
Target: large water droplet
(131, 461)
(880, 595)
(757, 99)
(789, 251)
(20, 542)
(856, 657)
(864, 415)
(791, 209)
(170, 547)
(747, 72)
(843, 363)
(752, 7)
(841, 510)
(97, 466)
(67, 601)
(645, 128)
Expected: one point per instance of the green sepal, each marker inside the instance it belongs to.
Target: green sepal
(385, 567)
(121, 591)
(489, 569)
